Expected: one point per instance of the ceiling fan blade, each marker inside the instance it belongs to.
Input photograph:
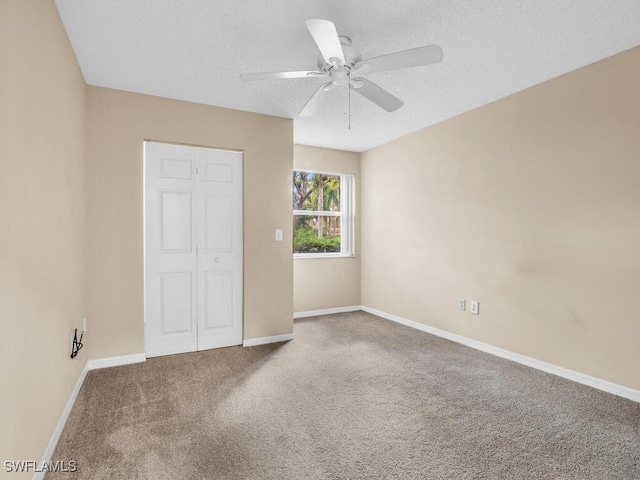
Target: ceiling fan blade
(248, 77)
(377, 95)
(313, 104)
(326, 37)
(407, 58)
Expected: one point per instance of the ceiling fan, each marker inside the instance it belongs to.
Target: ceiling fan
(342, 64)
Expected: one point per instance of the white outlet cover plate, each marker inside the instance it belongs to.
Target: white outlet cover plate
(475, 307)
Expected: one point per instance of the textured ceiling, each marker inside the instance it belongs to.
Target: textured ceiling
(194, 50)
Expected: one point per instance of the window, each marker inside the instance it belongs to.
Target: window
(323, 214)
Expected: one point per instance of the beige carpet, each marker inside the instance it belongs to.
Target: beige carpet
(352, 397)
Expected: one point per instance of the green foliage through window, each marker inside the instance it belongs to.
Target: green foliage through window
(305, 240)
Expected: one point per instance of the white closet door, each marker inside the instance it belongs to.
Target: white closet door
(193, 248)
(219, 187)
(170, 249)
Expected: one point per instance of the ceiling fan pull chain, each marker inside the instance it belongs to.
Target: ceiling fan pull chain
(349, 84)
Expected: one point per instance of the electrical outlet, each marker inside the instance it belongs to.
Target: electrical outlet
(475, 307)
(278, 235)
(461, 305)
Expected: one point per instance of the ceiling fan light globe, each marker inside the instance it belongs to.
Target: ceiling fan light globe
(340, 76)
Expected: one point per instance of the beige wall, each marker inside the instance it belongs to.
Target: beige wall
(320, 283)
(118, 124)
(530, 205)
(42, 219)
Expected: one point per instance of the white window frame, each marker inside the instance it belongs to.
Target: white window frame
(347, 216)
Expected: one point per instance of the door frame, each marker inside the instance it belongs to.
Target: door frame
(144, 232)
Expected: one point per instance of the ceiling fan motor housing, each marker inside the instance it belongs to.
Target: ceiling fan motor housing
(351, 56)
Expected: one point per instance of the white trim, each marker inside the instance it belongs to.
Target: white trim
(253, 342)
(320, 172)
(323, 255)
(316, 213)
(614, 388)
(90, 365)
(348, 214)
(48, 452)
(326, 311)
(115, 361)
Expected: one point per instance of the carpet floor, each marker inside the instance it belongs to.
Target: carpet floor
(354, 396)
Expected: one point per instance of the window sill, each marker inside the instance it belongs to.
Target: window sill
(323, 255)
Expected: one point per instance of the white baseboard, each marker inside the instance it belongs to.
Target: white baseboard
(614, 388)
(116, 361)
(253, 342)
(90, 365)
(326, 311)
(48, 452)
